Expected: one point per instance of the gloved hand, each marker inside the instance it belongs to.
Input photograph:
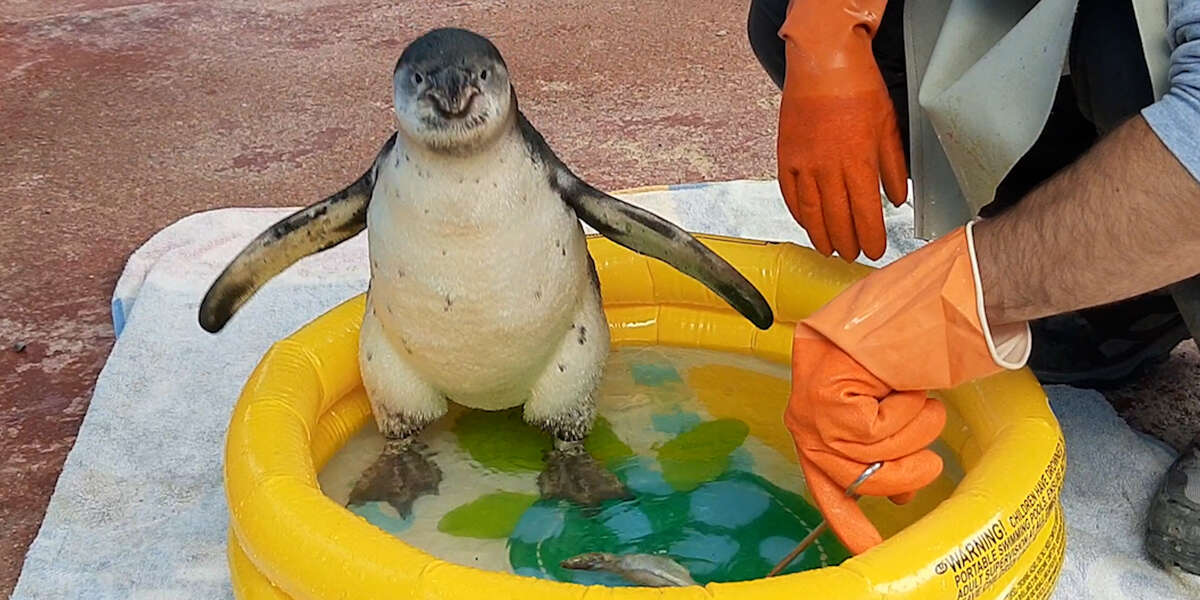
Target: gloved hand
(843, 419)
(837, 127)
(861, 366)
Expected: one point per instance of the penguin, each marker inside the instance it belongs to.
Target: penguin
(482, 291)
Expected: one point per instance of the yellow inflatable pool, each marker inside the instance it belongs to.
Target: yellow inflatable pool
(998, 534)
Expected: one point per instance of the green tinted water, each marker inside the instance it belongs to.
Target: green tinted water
(695, 435)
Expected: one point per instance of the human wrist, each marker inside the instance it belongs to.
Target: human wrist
(1009, 341)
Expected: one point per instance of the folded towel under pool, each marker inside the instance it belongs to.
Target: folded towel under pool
(139, 511)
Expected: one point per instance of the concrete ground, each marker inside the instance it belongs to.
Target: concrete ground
(120, 117)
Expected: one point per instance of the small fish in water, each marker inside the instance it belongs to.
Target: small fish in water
(650, 570)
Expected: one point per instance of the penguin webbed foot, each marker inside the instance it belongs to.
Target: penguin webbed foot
(400, 475)
(574, 475)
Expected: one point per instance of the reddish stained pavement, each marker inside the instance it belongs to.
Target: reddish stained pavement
(121, 117)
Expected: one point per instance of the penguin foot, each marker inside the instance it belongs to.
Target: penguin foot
(400, 475)
(572, 474)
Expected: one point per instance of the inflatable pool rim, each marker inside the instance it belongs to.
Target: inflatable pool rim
(999, 534)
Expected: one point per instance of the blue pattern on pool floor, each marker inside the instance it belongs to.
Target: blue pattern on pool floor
(701, 553)
(730, 504)
(628, 522)
(539, 523)
(654, 374)
(383, 516)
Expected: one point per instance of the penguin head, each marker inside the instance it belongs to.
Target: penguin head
(451, 91)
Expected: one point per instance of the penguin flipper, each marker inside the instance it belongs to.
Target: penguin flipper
(315, 228)
(646, 233)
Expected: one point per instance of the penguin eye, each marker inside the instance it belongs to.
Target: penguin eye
(417, 78)
(483, 75)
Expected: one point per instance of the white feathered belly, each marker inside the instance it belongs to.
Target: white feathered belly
(476, 285)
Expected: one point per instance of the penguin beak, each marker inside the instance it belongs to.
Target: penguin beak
(452, 92)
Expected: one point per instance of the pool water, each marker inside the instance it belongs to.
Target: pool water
(695, 435)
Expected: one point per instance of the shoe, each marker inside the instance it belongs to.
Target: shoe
(1173, 525)
(1106, 346)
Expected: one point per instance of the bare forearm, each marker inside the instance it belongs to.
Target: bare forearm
(1123, 220)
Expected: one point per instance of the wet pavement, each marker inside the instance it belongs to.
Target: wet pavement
(120, 117)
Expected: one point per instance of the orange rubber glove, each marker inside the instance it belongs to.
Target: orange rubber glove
(837, 127)
(861, 366)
